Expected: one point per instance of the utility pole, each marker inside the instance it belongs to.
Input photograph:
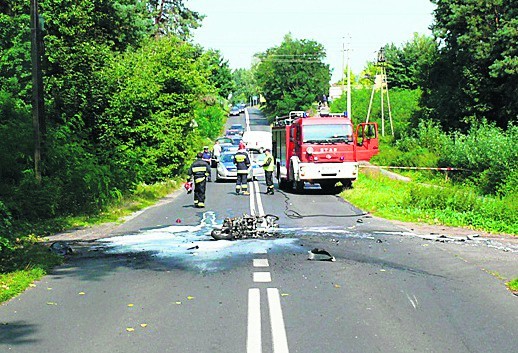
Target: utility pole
(381, 78)
(38, 119)
(349, 108)
(343, 63)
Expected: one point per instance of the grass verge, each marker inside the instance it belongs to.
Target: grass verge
(445, 205)
(28, 260)
(513, 285)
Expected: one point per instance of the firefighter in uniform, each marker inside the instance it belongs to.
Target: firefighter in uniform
(242, 162)
(268, 166)
(199, 170)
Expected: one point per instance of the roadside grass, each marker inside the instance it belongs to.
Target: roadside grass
(29, 259)
(513, 285)
(25, 263)
(441, 205)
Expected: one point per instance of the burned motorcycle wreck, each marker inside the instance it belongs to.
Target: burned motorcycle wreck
(246, 226)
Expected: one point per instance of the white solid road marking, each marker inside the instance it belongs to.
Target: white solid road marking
(252, 199)
(253, 339)
(261, 263)
(262, 277)
(259, 199)
(260, 251)
(280, 341)
(247, 119)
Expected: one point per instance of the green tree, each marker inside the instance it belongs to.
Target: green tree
(147, 130)
(409, 66)
(220, 74)
(172, 17)
(245, 85)
(292, 75)
(477, 70)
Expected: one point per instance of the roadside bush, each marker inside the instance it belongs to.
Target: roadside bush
(490, 153)
(441, 198)
(5, 227)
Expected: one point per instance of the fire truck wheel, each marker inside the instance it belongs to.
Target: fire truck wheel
(298, 186)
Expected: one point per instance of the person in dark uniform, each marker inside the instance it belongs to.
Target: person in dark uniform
(242, 162)
(206, 156)
(199, 170)
(268, 166)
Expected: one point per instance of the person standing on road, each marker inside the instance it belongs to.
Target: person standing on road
(268, 166)
(242, 162)
(206, 156)
(199, 170)
(216, 150)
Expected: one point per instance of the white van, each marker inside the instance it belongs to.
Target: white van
(257, 140)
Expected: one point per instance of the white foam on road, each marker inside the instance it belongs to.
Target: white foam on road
(193, 246)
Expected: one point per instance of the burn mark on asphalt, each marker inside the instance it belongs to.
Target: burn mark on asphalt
(192, 247)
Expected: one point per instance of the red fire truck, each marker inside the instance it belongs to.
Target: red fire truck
(323, 149)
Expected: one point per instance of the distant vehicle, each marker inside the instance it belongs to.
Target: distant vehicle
(258, 140)
(224, 139)
(235, 129)
(236, 139)
(226, 169)
(241, 107)
(234, 111)
(228, 147)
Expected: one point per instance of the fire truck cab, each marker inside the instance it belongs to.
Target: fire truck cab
(323, 149)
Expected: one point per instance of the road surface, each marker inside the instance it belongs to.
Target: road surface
(158, 283)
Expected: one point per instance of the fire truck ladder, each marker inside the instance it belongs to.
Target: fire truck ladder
(380, 82)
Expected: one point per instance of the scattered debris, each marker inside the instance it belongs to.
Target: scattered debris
(359, 220)
(379, 241)
(193, 248)
(246, 227)
(320, 255)
(60, 248)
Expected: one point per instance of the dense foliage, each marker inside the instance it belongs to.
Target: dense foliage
(409, 66)
(487, 155)
(245, 85)
(292, 75)
(404, 107)
(127, 101)
(476, 71)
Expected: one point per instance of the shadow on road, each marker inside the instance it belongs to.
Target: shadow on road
(17, 333)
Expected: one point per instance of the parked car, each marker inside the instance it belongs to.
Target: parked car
(229, 147)
(234, 111)
(241, 107)
(224, 139)
(226, 169)
(259, 140)
(235, 129)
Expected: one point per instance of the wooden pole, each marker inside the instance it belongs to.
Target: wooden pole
(37, 88)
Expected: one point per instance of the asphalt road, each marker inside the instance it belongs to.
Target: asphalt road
(158, 283)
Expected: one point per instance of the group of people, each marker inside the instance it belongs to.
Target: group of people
(200, 171)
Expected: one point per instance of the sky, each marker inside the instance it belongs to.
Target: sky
(241, 28)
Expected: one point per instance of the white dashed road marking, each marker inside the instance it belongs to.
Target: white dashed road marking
(261, 263)
(262, 277)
